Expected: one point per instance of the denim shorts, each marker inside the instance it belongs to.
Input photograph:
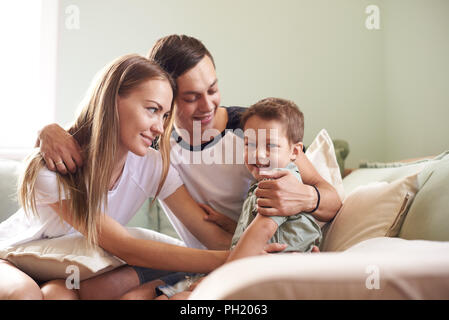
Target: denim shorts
(147, 274)
(170, 278)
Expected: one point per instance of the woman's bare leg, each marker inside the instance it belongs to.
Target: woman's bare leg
(17, 285)
(107, 286)
(57, 290)
(146, 291)
(110, 285)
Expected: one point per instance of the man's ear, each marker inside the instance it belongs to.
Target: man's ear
(296, 150)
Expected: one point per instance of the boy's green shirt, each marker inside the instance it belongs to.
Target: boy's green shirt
(300, 232)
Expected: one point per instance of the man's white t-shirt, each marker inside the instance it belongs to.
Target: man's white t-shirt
(138, 182)
(213, 173)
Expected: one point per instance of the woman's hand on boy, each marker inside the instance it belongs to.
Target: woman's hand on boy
(218, 218)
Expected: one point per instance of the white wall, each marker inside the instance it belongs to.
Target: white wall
(344, 77)
(417, 77)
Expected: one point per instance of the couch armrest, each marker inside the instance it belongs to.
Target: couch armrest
(422, 274)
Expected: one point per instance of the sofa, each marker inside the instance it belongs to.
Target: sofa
(390, 240)
(371, 249)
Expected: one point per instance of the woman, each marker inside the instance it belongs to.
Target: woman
(126, 111)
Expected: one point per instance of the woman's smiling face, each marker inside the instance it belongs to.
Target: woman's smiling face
(142, 113)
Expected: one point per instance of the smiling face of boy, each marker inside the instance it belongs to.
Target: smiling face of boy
(267, 146)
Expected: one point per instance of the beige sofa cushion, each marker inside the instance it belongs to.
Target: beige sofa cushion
(374, 210)
(49, 259)
(365, 176)
(428, 217)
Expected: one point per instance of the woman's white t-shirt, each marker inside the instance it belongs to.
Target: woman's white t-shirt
(138, 182)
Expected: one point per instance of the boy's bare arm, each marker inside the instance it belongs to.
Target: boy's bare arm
(254, 239)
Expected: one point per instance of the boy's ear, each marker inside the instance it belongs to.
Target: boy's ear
(296, 150)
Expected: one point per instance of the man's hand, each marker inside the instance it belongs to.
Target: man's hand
(59, 149)
(284, 195)
(218, 218)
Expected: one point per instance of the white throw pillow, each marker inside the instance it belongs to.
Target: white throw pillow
(49, 259)
(321, 153)
(369, 211)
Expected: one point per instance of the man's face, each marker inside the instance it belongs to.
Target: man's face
(198, 97)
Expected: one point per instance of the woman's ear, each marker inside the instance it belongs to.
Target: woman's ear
(296, 149)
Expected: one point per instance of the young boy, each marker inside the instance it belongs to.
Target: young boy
(274, 130)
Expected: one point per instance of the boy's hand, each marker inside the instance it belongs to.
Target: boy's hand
(59, 149)
(218, 218)
(283, 194)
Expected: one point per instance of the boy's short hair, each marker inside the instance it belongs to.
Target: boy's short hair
(284, 111)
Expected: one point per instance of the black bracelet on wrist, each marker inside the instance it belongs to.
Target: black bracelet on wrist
(317, 203)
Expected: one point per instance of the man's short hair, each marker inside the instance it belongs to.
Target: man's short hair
(177, 54)
(284, 111)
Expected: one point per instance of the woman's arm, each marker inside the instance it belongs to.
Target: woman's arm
(192, 216)
(254, 239)
(114, 238)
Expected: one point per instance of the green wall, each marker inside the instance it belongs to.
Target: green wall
(350, 80)
(416, 77)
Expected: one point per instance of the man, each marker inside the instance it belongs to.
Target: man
(202, 129)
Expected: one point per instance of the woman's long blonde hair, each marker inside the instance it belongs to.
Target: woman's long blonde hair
(96, 130)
